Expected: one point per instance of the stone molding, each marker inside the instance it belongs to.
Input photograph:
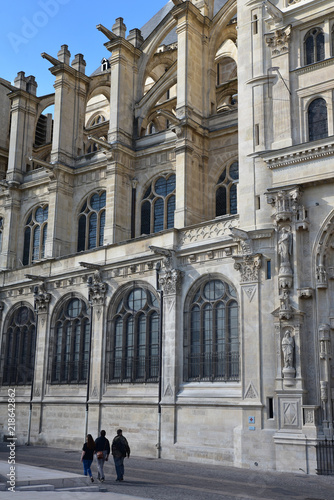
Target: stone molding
(300, 156)
(216, 229)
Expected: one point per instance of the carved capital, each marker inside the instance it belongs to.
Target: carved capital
(42, 298)
(170, 281)
(249, 266)
(97, 289)
(279, 40)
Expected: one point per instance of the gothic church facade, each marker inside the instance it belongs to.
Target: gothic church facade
(167, 237)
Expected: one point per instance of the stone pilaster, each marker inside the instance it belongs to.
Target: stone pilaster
(24, 105)
(97, 290)
(70, 100)
(170, 282)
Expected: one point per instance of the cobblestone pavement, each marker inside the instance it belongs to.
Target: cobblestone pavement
(168, 479)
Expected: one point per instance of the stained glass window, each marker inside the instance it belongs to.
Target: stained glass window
(133, 339)
(91, 222)
(226, 191)
(19, 348)
(158, 205)
(71, 347)
(35, 234)
(211, 347)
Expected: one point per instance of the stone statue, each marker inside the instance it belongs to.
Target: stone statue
(284, 246)
(288, 345)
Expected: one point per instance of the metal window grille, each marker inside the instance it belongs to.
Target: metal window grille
(325, 457)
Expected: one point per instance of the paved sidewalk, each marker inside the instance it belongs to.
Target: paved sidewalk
(50, 482)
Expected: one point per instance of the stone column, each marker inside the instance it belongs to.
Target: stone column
(97, 290)
(325, 354)
(24, 105)
(280, 91)
(170, 282)
(11, 253)
(42, 301)
(191, 145)
(70, 99)
(120, 169)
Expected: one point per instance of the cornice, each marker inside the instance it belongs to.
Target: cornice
(298, 154)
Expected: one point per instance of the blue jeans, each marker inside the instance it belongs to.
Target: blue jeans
(86, 466)
(119, 466)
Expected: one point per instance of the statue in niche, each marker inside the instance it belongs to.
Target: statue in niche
(288, 346)
(285, 246)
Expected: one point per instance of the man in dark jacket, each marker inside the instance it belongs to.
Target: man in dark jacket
(120, 449)
(102, 450)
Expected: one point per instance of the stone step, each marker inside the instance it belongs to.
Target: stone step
(92, 489)
(36, 487)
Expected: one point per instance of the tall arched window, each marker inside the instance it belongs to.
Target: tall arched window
(211, 346)
(133, 339)
(158, 205)
(71, 346)
(317, 119)
(314, 44)
(92, 221)
(35, 233)
(226, 191)
(19, 346)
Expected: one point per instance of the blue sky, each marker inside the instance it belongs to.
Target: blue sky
(28, 28)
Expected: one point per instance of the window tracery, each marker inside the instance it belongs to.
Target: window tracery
(92, 221)
(314, 46)
(133, 341)
(226, 191)
(211, 346)
(35, 234)
(158, 205)
(72, 341)
(19, 348)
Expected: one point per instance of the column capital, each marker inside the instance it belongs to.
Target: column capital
(170, 281)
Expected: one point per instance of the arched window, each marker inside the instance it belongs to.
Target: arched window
(158, 205)
(226, 191)
(97, 120)
(71, 345)
(133, 340)
(19, 348)
(1, 231)
(92, 221)
(314, 46)
(211, 348)
(35, 233)
(317, 119)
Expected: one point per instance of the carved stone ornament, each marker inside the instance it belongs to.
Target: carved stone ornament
(286, 311)
(325, 341)
(279, 40)
(321, 277)
(42, 298)
(170, 281)
(249, 267)
(97, 289)
(286, 203)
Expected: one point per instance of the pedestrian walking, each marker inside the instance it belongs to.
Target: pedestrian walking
(120, 449)
(87, 456)
(102, 450)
